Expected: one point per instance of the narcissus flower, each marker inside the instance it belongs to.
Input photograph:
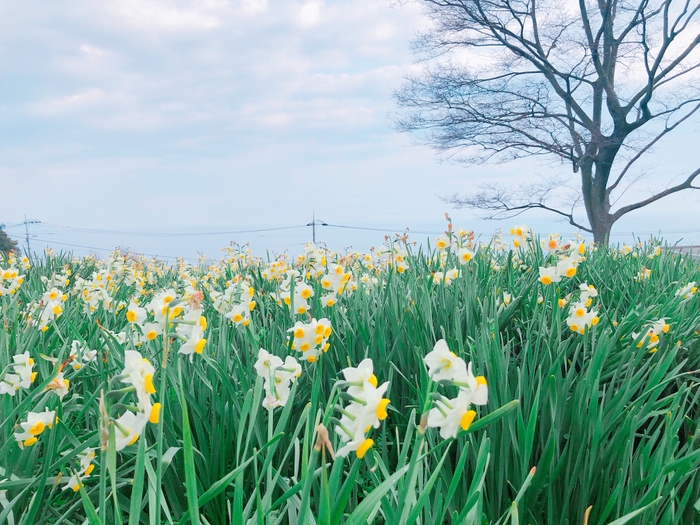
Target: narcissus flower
(443, 364)
(451, 415)
(86, 467)
(278, 375)
(549, 275)
(22, 377)
(367, 408)
(32, 428)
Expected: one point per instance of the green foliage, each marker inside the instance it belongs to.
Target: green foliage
(6, 244)
(607, 426)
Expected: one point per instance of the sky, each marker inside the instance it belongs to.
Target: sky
(173, 121)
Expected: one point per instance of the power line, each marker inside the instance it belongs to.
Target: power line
(170, 234)
(105, 249)
(383, 230)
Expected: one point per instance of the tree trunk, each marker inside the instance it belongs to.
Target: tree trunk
(601, 231)
(594, 178)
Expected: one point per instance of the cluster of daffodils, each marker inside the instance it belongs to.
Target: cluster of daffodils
(236, 302)
(565, 267)
(21, 377)
(81, 355)
(650, 337)
(335, 282)
(85, 458)
(460, 242)
(643, 274)
(278, 375)
(48, 309)
(274, 270)
(95, 292)
(311, 338)
(688, 291)
(166, 309)
(295, 292)
(445, 277)
(366, 409)
(580, 317)
(32, 428)
(522, 235)
(452, 414)
(10, 280)
(138, 372)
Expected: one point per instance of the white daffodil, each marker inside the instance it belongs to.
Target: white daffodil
(358, 376)
(128, 428)
(442, 363)
(35, 424)
(475, 385)
(549, 275)
(135, 314)
(138, 372)
(59, 385)
(358, 444)
(465, 255)
(451, 415)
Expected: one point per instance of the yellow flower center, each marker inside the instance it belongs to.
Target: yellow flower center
(37, 428)
(574, 327)
(546, 279)
(372, 380)
(381, 409)
(311, 359)
(364, 447)
(151, 335)
(133, 440)
(237, 318)
(580, 312)
(304, 347)
(131, 316)
(89, 470)
(203, 322)
(29, 442)
(155, 413)
(200, 346)
(481, 380)
(306, 293)
(148, 384)
(57, 310)
(466, 420)
(251, 305)
(570, 272)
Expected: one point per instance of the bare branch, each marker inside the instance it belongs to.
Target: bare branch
(687, 184)
(507, 203)
(648, 146)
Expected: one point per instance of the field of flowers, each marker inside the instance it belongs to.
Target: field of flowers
(525, 380)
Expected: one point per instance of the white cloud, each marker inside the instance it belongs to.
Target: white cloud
(310, 13)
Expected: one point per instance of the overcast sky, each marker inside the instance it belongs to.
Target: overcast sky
(215, 115)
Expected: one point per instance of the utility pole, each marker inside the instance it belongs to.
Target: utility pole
(26, 231)
(313, 224)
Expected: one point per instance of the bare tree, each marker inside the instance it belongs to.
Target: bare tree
(596, 84)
